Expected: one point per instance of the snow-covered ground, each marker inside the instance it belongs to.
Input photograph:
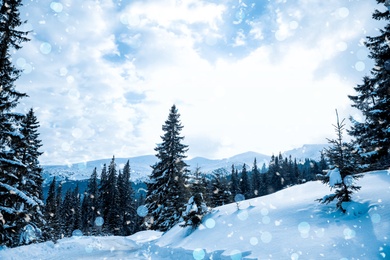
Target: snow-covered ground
(289, 224)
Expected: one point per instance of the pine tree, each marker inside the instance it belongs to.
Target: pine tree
(76, 208)
(220, 193)
(90, 205)
(343, 173)
(67, 215)
(373, 100)
(275, 180)
(234, 183)
(263, 187)
(32, 179)
(255, 180)
(103, 201)
(198, 183)
(244, 184)
(112, 220)
(58, 217)
(15, 205)
(167, 193)
(51, 212)
(127, 206)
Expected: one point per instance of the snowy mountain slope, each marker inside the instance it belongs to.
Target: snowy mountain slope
(140, 165)
(288, 224)
(311, 151)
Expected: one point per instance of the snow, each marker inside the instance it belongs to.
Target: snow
(288, 224)
(334, 177)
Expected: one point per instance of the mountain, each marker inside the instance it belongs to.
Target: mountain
(288, 224)
(311, 151)
(140, 166)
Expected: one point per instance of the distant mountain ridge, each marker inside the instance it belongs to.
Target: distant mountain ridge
(141, 165)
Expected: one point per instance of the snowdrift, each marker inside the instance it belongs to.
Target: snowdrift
(289, 224)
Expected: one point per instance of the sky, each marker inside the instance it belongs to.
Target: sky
(263, 76)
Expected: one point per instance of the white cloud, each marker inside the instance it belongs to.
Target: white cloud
(111, 76)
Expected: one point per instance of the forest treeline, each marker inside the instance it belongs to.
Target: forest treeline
(92, 212)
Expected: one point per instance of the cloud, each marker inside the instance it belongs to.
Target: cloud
(262, 76)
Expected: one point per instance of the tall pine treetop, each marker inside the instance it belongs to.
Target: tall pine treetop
(167, 192)
(171, 146)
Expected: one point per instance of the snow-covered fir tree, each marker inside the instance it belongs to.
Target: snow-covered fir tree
(372, 134)
(167, 192)
(20, 198)
(344, 170)
(112, 220)
(90, 205)
(196, 208)
(127, 210)
(255, 187)
(32, 180)
(220, 189)
(244, 184)
(234, 182)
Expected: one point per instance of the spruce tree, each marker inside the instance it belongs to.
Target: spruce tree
(127, 210)
(58, 217)
(16, 205)
(220, 193)
(167, 193)
(372, 134)
(244, 184)
(196, 209)
(103, 189)
(51, 212)
(234, 183)
(255, 180)
(90, 204)
(112, 219)
(343, 169)
(32, 180)
(66, 215)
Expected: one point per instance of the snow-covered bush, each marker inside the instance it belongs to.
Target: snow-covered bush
(30, 233)
(195, 210)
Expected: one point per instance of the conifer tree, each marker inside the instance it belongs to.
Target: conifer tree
(103, 189)
(220, 193)
(234, 184)
(112, 219)
(198, 183)
(58, 217)
(127, 210)
(28, 152)
(244, 184)
(16, 205)
(167, 193)
(275, 180)
(263, 187)
(90, 205)
(372, 134)
(66, 215)
(76, 208)
(343, 169)
(255, 180)
(51, 212)
(196, 208)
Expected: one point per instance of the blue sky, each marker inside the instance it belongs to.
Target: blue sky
(264, 76)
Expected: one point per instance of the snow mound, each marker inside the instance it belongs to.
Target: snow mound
(288, 224)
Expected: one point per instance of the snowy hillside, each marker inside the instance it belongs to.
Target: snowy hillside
(141, 165)
(288, 224)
